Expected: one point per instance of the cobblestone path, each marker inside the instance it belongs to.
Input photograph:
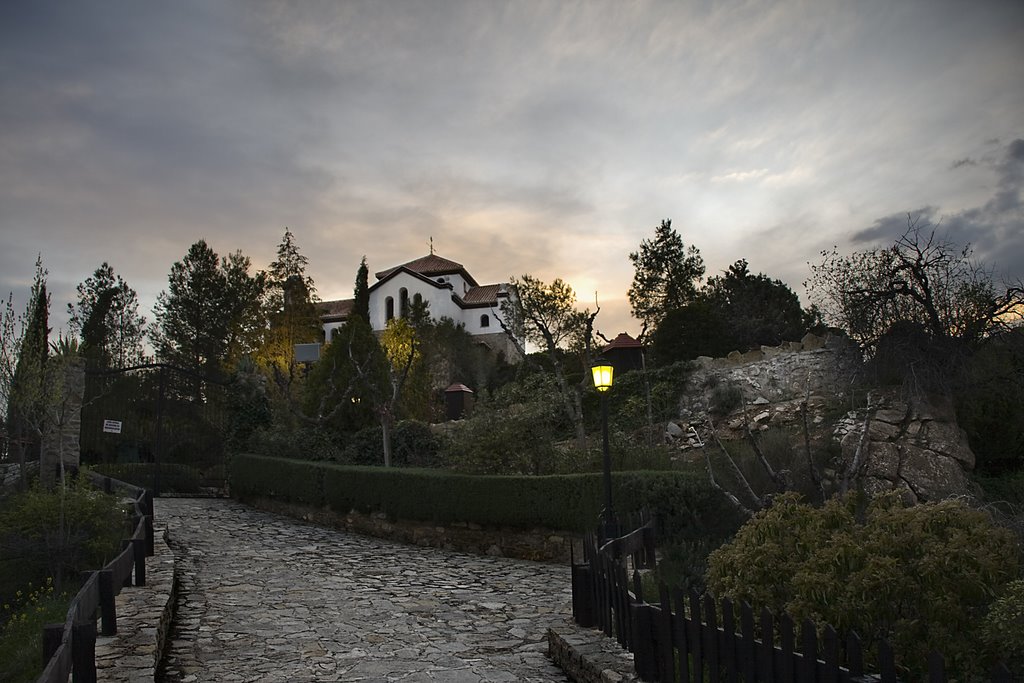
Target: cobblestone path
(266, 598)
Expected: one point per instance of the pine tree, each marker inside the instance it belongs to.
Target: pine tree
(107, 321)
(362, 292)
(292, 312)
(212, 312)
(666, 276)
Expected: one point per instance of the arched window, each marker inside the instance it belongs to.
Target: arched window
(389, 308)
(403, 303)
(417, 299)
(485, 320)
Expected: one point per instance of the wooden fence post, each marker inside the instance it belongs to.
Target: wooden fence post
(52, 636)
(582, 606)
(83, 652)
(108, 603)
(139, 550)
(128, 579)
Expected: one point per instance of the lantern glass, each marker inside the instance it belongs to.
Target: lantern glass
(602, 376)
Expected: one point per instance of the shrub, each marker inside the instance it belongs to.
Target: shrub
(57, 534)
(919, 576)
(725, 398)
(1002, 631)
(684, 505)
(21, 624)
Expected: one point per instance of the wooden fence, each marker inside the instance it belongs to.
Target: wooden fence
(69, 649)
(689, 637)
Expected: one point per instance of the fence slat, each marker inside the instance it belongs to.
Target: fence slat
(681, 634)
(788, 642)
(711, 638)
(697, 637)
(766, 654)
(808, 652)
(936, 668)
(747, 651)
(830, 653)
(665, 648)
(728, 652)
(854, 655)
(886, 662)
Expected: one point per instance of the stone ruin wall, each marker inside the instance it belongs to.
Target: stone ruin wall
(913, 444)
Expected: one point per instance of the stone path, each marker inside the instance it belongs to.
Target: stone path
(266, 598)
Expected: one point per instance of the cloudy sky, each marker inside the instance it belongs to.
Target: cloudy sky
(523, 137)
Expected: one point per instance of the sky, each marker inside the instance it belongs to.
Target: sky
(536, 137)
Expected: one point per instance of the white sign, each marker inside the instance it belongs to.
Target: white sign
(112, 426)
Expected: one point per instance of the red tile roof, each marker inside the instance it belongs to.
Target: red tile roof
(485, 294)
(428, 265)
(339, 309)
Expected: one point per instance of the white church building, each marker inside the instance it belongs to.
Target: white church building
(449, 290)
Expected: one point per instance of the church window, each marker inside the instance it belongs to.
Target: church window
(403, 303)
(485, 320)
(389, 308)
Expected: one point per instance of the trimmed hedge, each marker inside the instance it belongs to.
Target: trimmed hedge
(174, 477)
(684, 503)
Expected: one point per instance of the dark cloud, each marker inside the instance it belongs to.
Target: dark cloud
(995, 230)
(966, 161)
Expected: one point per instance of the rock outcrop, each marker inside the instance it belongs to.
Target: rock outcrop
(913, 444)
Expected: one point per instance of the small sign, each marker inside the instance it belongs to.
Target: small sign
(112, 426)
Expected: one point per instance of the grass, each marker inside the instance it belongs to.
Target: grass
(21, 635)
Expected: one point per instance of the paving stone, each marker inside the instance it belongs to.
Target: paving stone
(265, 597)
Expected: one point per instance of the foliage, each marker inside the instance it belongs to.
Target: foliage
(666, 275)
(22, 619)
(107, 320)
(920, 279)
(361, 307)
(695, 329)
(682, 502)
(211, 314)
(57, 534)
(755, 310)
(547, 316)
(25, 393)
(918, 576)
(990, 403)
(1002, 630)
(403, 347)
(336, 394)
(515, 434)
(291, 311)
(413, 445)
(725, 398)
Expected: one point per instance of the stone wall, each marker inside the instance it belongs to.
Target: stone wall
(913, 444)
(542, 545)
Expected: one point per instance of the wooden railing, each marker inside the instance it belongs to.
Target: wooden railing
(689, 637)
(70, 648)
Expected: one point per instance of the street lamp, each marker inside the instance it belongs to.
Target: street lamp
(603, 372)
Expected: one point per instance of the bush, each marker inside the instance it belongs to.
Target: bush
(1003, 628)
(413, 444)
(920, 576)
(683, 504)
(38, 541)
(21, 624)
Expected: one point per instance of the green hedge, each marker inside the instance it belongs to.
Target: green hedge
(684, 503)
(174, 478)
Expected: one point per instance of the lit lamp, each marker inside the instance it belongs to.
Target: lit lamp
(603, 371)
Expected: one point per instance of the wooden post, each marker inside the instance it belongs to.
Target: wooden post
(52, 636)
(83, 652)
(128, 579)
(582, 606)
(105, 581)
(150, 541)
(139, 550)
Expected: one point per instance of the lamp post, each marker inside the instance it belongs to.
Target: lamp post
(603, 371)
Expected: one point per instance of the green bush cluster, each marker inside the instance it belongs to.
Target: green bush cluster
(683, 503)
(57, 534)
(22, 618)
(922, 577)
(1002, 631)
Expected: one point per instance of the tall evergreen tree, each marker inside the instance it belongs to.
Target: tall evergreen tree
(666, 276)
(25, 390)
(107, 320)
(362, 292)
(212, 311)
(292, 313)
